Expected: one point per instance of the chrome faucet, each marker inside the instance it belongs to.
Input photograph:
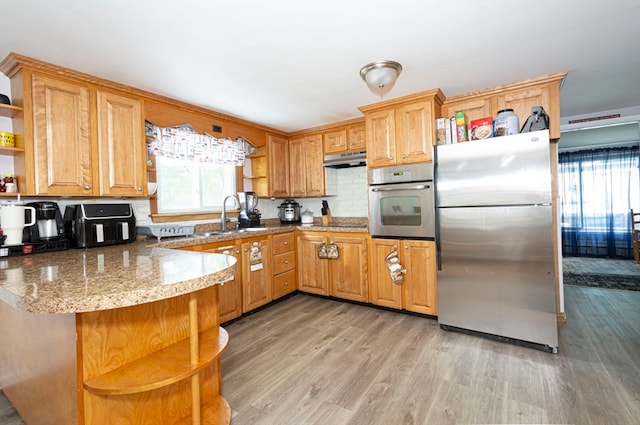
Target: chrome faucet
(223, 217)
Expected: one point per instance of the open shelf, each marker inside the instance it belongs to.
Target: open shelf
(9, 111)
(161, 368)
(9, 150)
(216, 412)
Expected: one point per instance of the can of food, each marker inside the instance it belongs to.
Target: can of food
(506, 123)
(7, 139)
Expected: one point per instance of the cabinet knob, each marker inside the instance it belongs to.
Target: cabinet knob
(139, 189)
(87, 187)
(406, 247)
(238, 252)
(285, 243)
(286, 284)
(286, 261)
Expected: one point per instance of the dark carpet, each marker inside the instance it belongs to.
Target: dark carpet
(609, 281)
(601, 273)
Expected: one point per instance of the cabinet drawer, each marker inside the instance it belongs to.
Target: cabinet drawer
(283, 243)
(284, 262)
(284, 284)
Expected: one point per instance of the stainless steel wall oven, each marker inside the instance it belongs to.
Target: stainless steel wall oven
(401, 201)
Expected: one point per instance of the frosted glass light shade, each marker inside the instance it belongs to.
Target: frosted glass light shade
(380, 76)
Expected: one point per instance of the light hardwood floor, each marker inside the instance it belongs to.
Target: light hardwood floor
(309, 360)
(316, 361)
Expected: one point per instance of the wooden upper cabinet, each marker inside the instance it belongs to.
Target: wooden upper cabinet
(357, 137)
(279, 183)
(414, 128)
(521, 96)
(314, 170)
(61, 150)
(335, 141)
(381, 138)
(120, 145)
(473, 109)
(306, 169)
(401, 131)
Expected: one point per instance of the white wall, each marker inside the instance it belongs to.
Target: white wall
(348, 188)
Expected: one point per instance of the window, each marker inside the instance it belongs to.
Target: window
(598, 188)
(191, 186)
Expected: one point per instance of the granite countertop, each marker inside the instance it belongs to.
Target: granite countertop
(103, 278)
(269, 228)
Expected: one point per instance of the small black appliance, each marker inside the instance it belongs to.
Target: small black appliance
(249, 216)
(49, 225)
(91, 225)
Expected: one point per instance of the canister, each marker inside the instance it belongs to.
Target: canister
(506, 123)
(7, 139)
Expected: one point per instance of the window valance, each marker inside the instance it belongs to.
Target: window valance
(183, 142)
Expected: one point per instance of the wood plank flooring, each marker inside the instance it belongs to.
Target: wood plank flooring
(309, 360)
(316, 361)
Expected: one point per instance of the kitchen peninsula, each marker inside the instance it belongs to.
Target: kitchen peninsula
(120, 334)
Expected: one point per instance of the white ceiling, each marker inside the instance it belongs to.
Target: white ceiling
(294, 64)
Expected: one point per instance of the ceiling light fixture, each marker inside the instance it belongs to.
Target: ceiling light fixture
(380, 76)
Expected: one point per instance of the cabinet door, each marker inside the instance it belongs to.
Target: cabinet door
(62, 141)
(357, 138)
(335, 141)
(278, 166)
(473, 109)
(297, 163)
(120, 145)
(348, 274)
(230, 293)
(381, 138)
(314, 170)
(256, 274)
(414, 132)
(382, 290)
(283, 242)
(420, 281)
(284, 283)
(522, 100)
(313, 272)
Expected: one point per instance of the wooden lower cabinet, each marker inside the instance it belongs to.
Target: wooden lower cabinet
(256, 273)
(229, 293)
(313, 273)
(345, 277)
(284, 264)
(417, 292)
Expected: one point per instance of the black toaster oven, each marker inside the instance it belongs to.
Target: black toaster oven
(91, 225)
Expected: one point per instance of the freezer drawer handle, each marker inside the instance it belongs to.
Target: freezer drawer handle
(394, 189)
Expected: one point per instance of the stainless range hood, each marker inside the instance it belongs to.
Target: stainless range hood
(344, 160)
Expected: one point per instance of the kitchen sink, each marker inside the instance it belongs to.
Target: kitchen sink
(227, 232)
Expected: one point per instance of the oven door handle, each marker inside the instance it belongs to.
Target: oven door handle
(395, 189)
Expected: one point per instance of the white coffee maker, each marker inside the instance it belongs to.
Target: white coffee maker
(13, 221)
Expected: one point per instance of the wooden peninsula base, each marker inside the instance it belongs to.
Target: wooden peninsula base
(152, 363)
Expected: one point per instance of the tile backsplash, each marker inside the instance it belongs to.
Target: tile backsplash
(349, 199)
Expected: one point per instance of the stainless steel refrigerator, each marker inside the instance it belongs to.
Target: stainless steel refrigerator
(495, 239)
